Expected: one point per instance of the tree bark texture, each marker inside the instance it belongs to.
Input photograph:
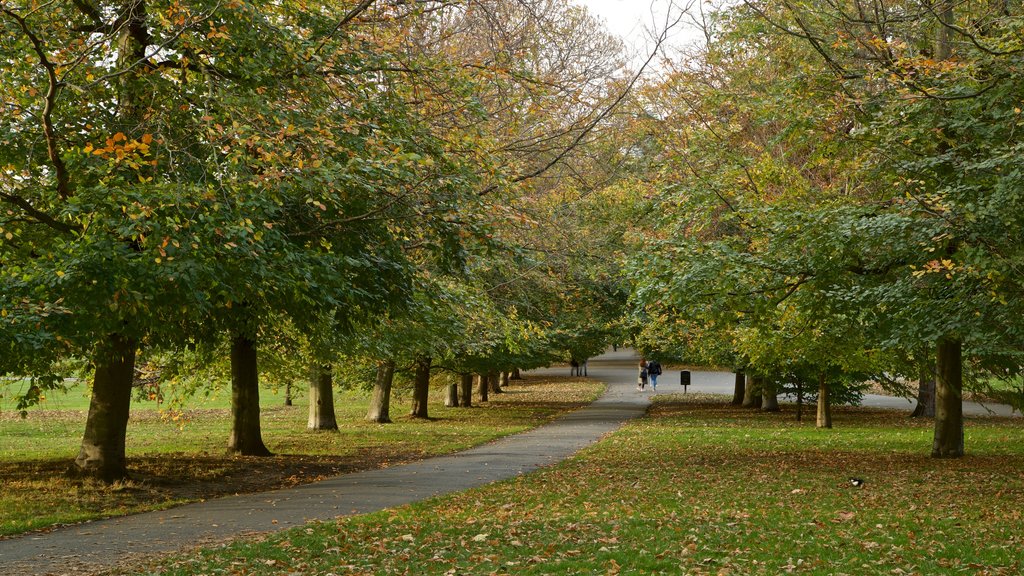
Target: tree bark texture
(466, 390)
(770, 396)
(925, 394)
(380, 402)
(483, 386)
(321, 399)
(752, 394)
(949, 406)
(824, 403)
(494, 382)
(421, 388)
(246, 438)
(516, 375)
(288, 394)
(451, 399)
(102, 452)
(739, 389)
(505, 377)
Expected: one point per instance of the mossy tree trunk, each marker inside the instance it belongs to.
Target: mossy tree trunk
(466, 390)
(102, 454)
(483, 386)
(949, 406)
(421, 388)
(752, 393)
(824, 403)
(246, 438)
(321, 399)
(380, 402)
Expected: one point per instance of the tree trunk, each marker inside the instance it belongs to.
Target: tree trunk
(421, 388)
(380, 402)
(943, 45)
(505, 377)
(321, 399)
(495, 383)
(482, 385)
(466, 391)
(949, 408)
(770, 395)
(752, 394)
(102, 452)
(516, 375)
(925, 394)
(288, 394)
(451, 399)
(246, 438)
(739, 389)
(799, 400)
(824, 403)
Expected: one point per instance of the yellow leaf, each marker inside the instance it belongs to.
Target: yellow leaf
(60, 274)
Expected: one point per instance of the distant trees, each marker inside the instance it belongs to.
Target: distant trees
(836, 194)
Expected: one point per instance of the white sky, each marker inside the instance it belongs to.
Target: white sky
(630, 18)
(627, 18)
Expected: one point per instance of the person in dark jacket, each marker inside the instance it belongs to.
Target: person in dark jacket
(653, 371)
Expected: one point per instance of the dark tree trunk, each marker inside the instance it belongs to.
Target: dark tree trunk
(483, 386)
(925, 394)
(421, 388)
(516, 375)
(246, 438)
(824, 403)
(504, 380)
(102, 452)
(495, 383)
(949, 406)
(380, 402)
(466, 391)
(770, 395)
(288, 394)
(321, 399)
(739, 389)
(752, 394)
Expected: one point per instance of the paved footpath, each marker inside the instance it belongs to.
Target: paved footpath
(94, 546)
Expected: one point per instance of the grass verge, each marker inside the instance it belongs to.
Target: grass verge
(697, 487)
(179, 456)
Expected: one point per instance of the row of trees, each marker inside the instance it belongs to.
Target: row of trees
(840, 198)
(324, 183)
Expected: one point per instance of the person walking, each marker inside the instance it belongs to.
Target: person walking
(653, 371)
(641, 382)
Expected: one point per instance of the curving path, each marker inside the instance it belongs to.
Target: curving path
(94, 546)
(90, 547)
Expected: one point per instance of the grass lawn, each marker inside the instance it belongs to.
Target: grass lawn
(696, 487)
(178, 456)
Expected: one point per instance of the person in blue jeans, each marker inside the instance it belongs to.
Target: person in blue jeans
(653, 371)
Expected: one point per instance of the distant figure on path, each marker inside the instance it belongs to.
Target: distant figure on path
(641, 383)
(653, 371)
(577, 368)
